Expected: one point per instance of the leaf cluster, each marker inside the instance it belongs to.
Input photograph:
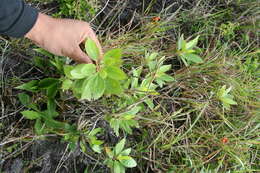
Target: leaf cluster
(186, 52)
(92, 81)
(119, 159)
(125, 121)
(226, 98)
(44, 119)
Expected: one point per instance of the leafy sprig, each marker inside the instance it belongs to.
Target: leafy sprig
(92, 81)
(186, 51)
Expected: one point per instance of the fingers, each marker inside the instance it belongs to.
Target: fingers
(79, 56)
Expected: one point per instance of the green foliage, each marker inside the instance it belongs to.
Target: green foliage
(92, 81)
(154, 79)
(49, 86)
(29, 86)
(94, 143)
(92, 50)
(77, 9)
(85, 138)
(124, 121)
(118, 158)
(186, 52)
(251, 66)
(226, 98)
(181, 125)
(44, 120)
(228, 29)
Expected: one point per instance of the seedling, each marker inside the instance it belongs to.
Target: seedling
(154, 78)
(118, 158)
(91, 139)
(49, 86)
(44, 120)
(92, 81)
(226, 98)
(124, 121)
(84, 138)
(185, 50)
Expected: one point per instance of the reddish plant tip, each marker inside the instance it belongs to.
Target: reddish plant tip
(224, 140)
(156, 19)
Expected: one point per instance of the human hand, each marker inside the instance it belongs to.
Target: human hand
(62, 36)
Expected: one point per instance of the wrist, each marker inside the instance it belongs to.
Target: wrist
(41, 27)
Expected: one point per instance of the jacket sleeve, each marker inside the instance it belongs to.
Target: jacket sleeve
(16, 18)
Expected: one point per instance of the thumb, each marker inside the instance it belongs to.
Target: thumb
(79, 56)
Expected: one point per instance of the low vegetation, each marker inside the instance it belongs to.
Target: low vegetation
(177, 90)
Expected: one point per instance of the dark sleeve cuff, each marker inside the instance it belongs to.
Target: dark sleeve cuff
(24, 23)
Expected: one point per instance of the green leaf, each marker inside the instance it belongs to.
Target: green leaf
(152, 65)
(227, 91)
(221, 91)
(95, 141)
(181, 43)
(95, 131)
(151, 57)
(86, 170)
(228, 101)
(86, 92)
(44, 52)
(165, 68)
(103, 73)
(51, 108)
(127, 161)
(47, 83)
(160, 82)
(29, 86)
(120, 146)
(52, 91)
(58, 62)
(125, 126)
(122, 168)
(116, 167)
(66, 84)
(83, 146)
(113, 87)
(133, 111)
(67, 69)
(54, 124)
(77, 87)
(150, 103)
(166, 78)
(96, 148)
(92, 49)
(94, 88)
(114, 123)
(82, 71)
(193, 58)
(38, 127)
(137, 72)
(33, 106)
(98, 87)
(40, 62)
(191, 44)
(113, 53)
(115, 73)
(31, 115)
(24, 99)
(126, 152)
(113, 57)
(109, 153)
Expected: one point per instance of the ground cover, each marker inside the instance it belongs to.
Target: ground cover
(187, 99)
